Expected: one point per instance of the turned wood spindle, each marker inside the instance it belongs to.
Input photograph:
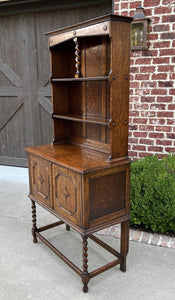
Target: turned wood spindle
(77, 58)
(85, 274)
(34, 228)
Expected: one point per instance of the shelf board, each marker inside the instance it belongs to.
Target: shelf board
(98, 78)
(97, 121)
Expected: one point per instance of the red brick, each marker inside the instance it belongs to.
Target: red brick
(151, 3)
(146, 142)
(140, 134)
(167, 2)
(173, 243)
(139, 106)
(143, 61)
(168, 18)
(166, 83)
(145, 237)
(155, 20)
(142, 76)
(144, 154)
(156, 106)
(133, 141)
(162, 10)
(142, 91)
(164, 143)
(166, 68)
(139, 148)
(116, 7)
(155, 239)
(165, 52)
(170, 122)
(156, 135)
(170, 135)
(146, 128)
(172, 75)
(159, 92)
(131, 77)
(147, 99)
(165, 114)
(150, 69)
(134, 113)
(159, 28)
(167, 36)
(172, 92)
(164, 99)
(148, 84)
(148, 113)
(153, 36)
(161, 60)
(139, 120)
(157, 121)
(134, 98)
(133, 127)
(159, 76)
(148, 12)
(131, 92)
(150, 53)
(124, 13)
(132, 153)
(170, 150)
(163, 128)
(164, 44)
(135, 4)
(124, 5)
(134, 84)
(134, 70)
(171, 107)
(155, 149)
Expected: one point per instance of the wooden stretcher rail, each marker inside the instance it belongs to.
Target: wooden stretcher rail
(50, 226)
(59, 254)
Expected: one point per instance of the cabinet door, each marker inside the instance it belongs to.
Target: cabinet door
(40, 179)
(67, 193)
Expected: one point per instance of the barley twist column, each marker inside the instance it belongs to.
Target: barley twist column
(85, 274)
(34, 228)
(77, 58)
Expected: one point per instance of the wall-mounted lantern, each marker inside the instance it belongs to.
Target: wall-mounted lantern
(139, 29)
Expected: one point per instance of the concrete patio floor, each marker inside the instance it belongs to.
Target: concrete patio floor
(33, 271)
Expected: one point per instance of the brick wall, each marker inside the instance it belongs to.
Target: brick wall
(152, 82)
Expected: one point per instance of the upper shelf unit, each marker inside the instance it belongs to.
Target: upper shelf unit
(90, 84)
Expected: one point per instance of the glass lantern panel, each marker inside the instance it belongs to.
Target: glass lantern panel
(137, 34)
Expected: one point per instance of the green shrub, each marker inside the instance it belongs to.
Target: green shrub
(152, 193)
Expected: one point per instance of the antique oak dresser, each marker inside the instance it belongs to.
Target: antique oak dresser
(83, 176)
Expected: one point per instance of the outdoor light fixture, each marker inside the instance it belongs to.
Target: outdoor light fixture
(139, 30)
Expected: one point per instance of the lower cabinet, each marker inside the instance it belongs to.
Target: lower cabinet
(87, 200)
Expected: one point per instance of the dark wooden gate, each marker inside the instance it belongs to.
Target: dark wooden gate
(25, 93)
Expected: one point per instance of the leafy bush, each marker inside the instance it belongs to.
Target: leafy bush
(152, 193)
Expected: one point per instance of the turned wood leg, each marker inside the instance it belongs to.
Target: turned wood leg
(124, 245)
(85, 274)
(34, 228)
(67, 227)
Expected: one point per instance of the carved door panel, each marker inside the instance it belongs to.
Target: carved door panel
(67, 193)
(40, 179)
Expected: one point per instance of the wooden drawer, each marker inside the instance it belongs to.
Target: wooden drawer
(40, 179)
(67, 193)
